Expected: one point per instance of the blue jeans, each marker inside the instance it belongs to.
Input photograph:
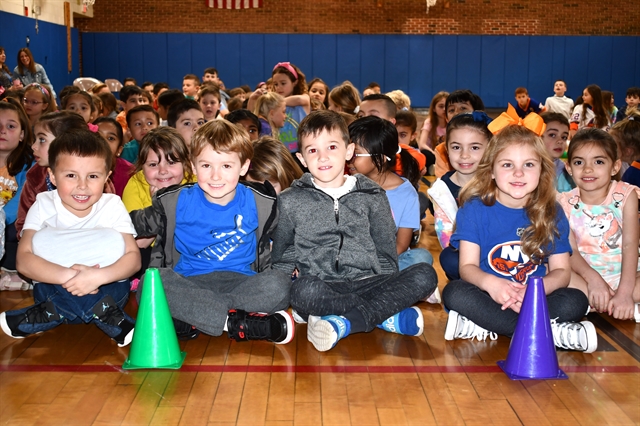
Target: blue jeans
(77, 309)
(413, 256)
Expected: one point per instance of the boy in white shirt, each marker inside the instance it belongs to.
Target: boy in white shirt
(559, 102)
(77, 245)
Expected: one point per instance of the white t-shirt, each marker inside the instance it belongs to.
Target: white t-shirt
(562, 105)
(66, 239)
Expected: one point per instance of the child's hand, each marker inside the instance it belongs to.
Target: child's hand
(85, 281)
(507, 293)
(599, 293)
(153, 190)
(621, 307)
(259, 92)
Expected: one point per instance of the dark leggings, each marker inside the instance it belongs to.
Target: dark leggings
(10, 247)
(565, 304)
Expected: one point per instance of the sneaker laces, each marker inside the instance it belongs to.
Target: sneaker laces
(258, 326)
(470, 330)
(39, 314)
(566, 335)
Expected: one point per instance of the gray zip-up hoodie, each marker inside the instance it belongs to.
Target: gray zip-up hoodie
(350, 238)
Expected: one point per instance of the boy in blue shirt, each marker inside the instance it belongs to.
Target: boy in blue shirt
(525, 104)
(338, 233)
(213, 244)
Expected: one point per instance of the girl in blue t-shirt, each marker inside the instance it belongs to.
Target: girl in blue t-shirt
(510, 227)
(375, 157)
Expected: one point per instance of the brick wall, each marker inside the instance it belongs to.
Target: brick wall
(520, 17)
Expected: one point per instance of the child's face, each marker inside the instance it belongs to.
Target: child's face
(250, 127)
(189, 87)
(110, 134)
(41, 144)
(368, 91)
(278, 116)
(440, 112)
(80, 182)
(456, 108)
(405, 134)
(142, 123)
(555, 139)
(218, 174)
(334, 106)
(632, 101)
(325, 155)
(522, 99)
(211, 77)
(587, 98)
(160, 172)
(376, 108)
(132, 102)
(592, 169)
(149, 89)
(318, 91)
(516, 171)
(559, 88)
(283, 85)
(466, 147)
(34, 103)
(210, 106)
(188, 122)
(361, 163)
(162, 112)
(11, 132)
(79, 105)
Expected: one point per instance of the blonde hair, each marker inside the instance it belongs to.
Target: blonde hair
(222, 136)
(400, 98)
(267, 103)
(346, 97)
(272, 161)
(541, 208)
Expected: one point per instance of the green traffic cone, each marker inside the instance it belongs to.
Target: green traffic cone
(155, 344)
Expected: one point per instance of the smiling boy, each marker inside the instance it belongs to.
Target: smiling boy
(338, 232)
(213, 244)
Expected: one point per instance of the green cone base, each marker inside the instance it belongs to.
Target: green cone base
(128, 365)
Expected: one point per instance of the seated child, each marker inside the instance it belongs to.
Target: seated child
(186, 117)
(85, 282)
(272, 161)
(109, 105)
(130, 97)
(165, 99)
(559, 103)
(603, 215)
(79, 102)
(632, 99)
(344, 98)
(401, 99)
(217, 273)
(627, 135)
(338, 232)
(190, 86)
(248, 120)
(209, 100)
(507, 232)
(271, 111)
(525, 104)
(555, 139)
(140, 120)
(111, 131)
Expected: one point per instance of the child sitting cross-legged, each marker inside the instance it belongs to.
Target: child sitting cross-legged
(213, 242)
(338, 232)
(85, 282)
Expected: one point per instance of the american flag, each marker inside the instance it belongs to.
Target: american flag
(234, 4)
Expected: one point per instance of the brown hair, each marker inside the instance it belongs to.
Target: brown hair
(602, 118)
(521, 90)
(46, 95)
(168, 141)
(32, 63)
(346, 96)
(272, 161)
(541, 208)
(22, 155)
(300, 87)
(594, 137)
(433, 116)
(627, 134)
(222, 136)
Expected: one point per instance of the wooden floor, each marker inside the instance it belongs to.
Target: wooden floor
(72, 376)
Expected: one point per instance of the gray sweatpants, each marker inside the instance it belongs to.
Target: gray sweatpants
(205, 300)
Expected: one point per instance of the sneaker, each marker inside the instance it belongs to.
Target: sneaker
(12, 281)
(408, 322)
(277, 328)
(297, 318)
(324, 332)
(636, 312)
(185, 331)
(435, 297)
(575, 336)
(31, 320)
(112, 320)
(459, 327)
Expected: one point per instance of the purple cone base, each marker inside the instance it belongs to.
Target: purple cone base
(560, 376)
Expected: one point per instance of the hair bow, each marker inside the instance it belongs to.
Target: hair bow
(288, 67)
(532, 121)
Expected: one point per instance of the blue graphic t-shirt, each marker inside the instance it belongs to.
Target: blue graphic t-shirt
(210, 237)
(497, 230)
(289, 132)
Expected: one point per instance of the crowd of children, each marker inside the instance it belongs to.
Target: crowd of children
(293, 195)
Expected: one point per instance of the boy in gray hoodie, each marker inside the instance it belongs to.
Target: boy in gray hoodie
(338, 234)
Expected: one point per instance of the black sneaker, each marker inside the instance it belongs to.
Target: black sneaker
(30, 320)
(113, 321)
(277, 328)
(185, 331)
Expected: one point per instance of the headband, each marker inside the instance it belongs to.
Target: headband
(532, 121)
(287, 66)
(42, 88)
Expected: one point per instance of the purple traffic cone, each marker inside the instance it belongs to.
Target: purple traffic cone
(532, 353)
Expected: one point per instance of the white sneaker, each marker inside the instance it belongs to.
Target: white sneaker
(575, 336)
(297, 318)
(459, 327)
(636, 313)
(435, 297)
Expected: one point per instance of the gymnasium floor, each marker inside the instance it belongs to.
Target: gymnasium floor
(72, 376)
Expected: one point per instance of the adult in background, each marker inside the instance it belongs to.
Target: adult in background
(28, 71)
